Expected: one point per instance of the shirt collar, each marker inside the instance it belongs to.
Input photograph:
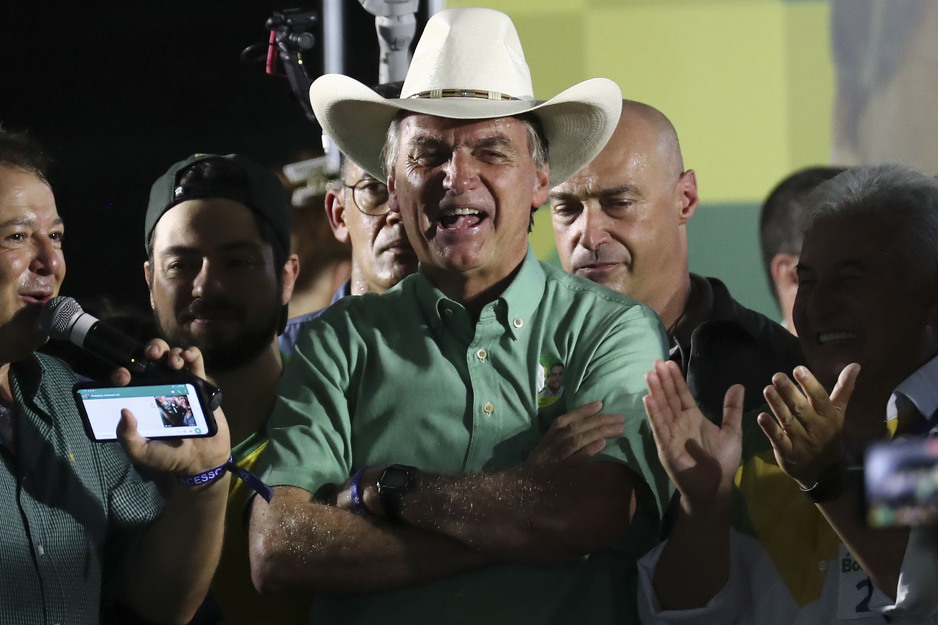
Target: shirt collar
(918, 390)
(514, 307)
(26, 378)
(699, 308)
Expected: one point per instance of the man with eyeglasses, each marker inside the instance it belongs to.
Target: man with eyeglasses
(358, 213)
(357, 207)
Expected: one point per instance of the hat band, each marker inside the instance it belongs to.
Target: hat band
(438, 94)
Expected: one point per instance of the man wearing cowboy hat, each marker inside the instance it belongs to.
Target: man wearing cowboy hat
(401, 447)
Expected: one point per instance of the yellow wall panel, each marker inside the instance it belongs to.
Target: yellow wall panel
(747, 83)
(716, 72)
(809, 80)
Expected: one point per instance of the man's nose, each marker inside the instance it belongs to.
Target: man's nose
(461, 172)
(392, 217)
(206, 282)
(593, 226)
(47, 259)
(819, 303)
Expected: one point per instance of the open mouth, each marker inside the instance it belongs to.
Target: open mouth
(833, 338)
(461, 218)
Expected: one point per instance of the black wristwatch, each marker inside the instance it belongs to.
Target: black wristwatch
(830, 485)
(395, 480)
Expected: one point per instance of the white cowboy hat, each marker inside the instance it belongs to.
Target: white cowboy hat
(469, 64)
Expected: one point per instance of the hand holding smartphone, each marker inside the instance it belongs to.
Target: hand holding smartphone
(166, 407)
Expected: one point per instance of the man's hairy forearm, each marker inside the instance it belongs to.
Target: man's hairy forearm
(542, 514)
(296, 543)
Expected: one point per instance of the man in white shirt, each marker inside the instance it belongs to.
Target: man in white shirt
(797, 550)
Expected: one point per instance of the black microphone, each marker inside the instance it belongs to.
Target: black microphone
(63, 318)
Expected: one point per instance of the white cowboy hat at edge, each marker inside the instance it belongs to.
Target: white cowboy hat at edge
(469, 64)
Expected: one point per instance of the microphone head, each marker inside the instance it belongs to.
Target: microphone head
(58, 316)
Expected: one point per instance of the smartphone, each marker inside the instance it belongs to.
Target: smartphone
(165, 409)
(901, 483)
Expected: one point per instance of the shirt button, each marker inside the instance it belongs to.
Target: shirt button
(488, 408)
(518, 322)
(40, 551)
(822, 566)
(448, 312)
(482, 354)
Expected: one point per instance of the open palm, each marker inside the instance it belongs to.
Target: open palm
(700, 457)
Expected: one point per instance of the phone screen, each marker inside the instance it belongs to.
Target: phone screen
(901, 482)
(162, 410)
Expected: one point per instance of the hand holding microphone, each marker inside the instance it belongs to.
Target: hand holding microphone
(62, 318)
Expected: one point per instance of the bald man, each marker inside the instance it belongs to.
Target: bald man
(622, 222)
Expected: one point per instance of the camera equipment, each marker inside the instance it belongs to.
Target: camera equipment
(292, 41)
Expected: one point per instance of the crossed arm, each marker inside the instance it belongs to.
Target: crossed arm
(539, 514)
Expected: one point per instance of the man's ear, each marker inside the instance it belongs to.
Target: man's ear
(783, 269)
(687, 189)
(147, 275)
(335, 211)
(541, 187)
(393, 204)
(290, 271)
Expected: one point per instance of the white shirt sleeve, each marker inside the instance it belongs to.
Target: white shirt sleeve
(917, 592)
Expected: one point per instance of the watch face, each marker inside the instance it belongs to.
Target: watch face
(395, 479)
(394, 482)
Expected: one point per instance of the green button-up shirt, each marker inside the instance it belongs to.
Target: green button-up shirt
(409, 377)
(72, 510)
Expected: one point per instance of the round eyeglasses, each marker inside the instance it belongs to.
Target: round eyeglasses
(370, 196)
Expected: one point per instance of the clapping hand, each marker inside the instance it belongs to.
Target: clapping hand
(807, 430)
(699, 456)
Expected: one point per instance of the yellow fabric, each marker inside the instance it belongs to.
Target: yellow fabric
(232, 588)
(902, 421)
(791, 528)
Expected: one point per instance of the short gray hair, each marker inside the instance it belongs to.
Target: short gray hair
(902, 199)
(537, 141)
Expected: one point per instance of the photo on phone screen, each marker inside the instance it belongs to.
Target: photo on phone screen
(901, 482)
(162, 410)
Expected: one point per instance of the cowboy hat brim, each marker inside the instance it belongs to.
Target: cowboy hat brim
(577, 122)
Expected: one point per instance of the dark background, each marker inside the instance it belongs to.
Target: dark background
(117, 91)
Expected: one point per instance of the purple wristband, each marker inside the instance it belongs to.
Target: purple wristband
(355, 491)
(206, 477)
